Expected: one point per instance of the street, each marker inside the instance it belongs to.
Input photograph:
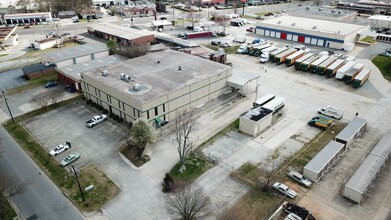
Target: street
(41, 197)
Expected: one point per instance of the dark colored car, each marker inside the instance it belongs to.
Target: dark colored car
(250, 29)
(51, 84)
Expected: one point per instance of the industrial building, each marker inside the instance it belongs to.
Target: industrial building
(352, 131)
(28, 18)
(156, 86)
(121, 34)
(323, 13)
(73, 55)
(7, 36)
(255, 121)
(322, 33)
(380, 21)
(70, 75)
(38, 70)
(319, 165)
(366, 174)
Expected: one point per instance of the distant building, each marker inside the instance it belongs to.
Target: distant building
(329, 14)
(66, 14)
(321, 33)
(28, 18)
(38, 70)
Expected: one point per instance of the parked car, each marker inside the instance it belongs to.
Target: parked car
(299, 46)
(242, 48)
(78, 37)
(299, 178)
(215, 42)
(284, 190)
(182, 35)
(385, 54)
(70, 159)
(250, 29)
(95, 120)
(331, 111)
(225, 44)
(51, 34)
(51, 84)
(60, 148)
(240, 39)
(65, 34)
(258, 41)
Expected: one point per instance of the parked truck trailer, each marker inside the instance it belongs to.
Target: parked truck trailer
(290, 60)
(361, 78)
(306, 64)
(323, 66)
(353, 72)
(345, 68)
(332, 69)
(299, 61)
(276, 52)
(314, 65)
(280, 58)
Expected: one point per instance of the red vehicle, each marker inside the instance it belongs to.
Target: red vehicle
(198, 35)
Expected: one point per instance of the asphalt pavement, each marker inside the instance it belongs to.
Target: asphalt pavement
(41, 198)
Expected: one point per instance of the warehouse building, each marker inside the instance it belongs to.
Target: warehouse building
(38, 70)
(73, 55)
(319, 165)
(70, 75)
(28, 18)
(324, 13)
(383, 147)
(121, 34)
(352, 131)
(156, 86)
(321, 33)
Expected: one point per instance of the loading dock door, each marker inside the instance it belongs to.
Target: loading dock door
(301, 39)
(283, 36)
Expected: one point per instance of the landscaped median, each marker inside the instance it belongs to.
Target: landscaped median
(103, 188)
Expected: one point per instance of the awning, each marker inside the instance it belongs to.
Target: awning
(240, 80)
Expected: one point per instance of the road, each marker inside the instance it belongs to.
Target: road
(41, 197)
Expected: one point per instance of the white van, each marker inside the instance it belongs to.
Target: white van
(198, 29)
(331, 111)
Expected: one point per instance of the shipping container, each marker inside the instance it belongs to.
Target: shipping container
(290, 60)
(332, 69)
(342, 71)
(198, 35)
(263, 100)
(314, 65)
(299, 61)
(361, 78)
(353, 72)
(352, 131)
(323, 66)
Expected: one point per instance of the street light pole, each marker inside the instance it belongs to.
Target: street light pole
(6, 103)
(78, 183)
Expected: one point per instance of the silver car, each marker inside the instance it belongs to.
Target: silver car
(70, 159)
(284, 190)
(299, 178)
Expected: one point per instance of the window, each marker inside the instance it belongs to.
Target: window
(107, 96)
(96, 92)
(138, 113)
(74, 60)
(156, 111)
(123, 106)
(134, 112)
(119, 104)
(164, 107)
(93, 56)
(147, 114)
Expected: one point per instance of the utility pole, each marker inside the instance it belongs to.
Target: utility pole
(6, 102)
(78, 183)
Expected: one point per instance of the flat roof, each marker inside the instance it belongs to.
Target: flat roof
(27, 15)
(324, 156)
(383, 147)
(257, 114)
(120, 30)
(380, 17)
(322, 26)
(36, 67)
(321, 12)
(365, 174)
(157, 73)
(73, 52)
(351, 129)
(74, 71)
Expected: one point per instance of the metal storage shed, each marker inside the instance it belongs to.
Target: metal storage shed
(351, 131)
(383, 148)
(323, 160)
(362, 179)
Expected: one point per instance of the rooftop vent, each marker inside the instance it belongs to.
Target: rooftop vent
(279, 22)
(136, 87)
(126, 77)
(293, 24)
(314, 27)
(105, 73)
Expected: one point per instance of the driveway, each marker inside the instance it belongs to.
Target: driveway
(373, 50)
(11, 79)
(68, 124)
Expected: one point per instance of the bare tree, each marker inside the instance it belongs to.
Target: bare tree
(10, 185)
(268, 168)
(132, 51)
(237, 6)
(194, 17)
(223, 21)
(188, 203)
(54, 95)
(142, 134)
(184, 124)
(41, 99)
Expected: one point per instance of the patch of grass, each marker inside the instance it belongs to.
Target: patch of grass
(132, 154)
(369, 39)
(104, 189)
(4, 54)
(33, 83)
(6, 211)
(232, 50)
(195, 167)
(213, 47)
(384, 65)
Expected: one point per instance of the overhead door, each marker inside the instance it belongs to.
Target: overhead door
(267, 33)
(261, 31)
(320, 42)
(278, 34)
(283, 36)
(313, 41)
(272, 33)
(307, 40)
(295, 37)
(289, 37)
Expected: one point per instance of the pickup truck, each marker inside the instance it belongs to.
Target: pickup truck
(95, 120)
(332, 112)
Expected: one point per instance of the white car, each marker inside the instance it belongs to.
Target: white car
(299, 46)
(284, 190)
(60, 148)
(331, 111)
(78, 37)
(225, 44)
(70, 159)
(95, 120)
(240, 39)
(299, 178)
(242, 48)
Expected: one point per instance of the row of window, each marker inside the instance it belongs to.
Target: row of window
(384, 38)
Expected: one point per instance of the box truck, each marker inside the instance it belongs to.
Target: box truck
(331, 111)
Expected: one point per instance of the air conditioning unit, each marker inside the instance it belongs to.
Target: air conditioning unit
(122, 76)
(136, 87)
(105, 72)
(127, 78)
(293, 24)
(314, 27)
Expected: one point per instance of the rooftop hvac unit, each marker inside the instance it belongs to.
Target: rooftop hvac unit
(105, 73)
(136, 87)
(314, 27)
(126, 77)
(293, 24)
(279, 22)
(122, 76)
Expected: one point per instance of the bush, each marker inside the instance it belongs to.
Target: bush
(130, 125)
(99, 107)
(168, 183)
(116, 117)
(111, 115)
(89, 102)
(120, 120)
(105, 111)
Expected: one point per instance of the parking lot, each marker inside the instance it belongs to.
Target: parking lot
(68, 124)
